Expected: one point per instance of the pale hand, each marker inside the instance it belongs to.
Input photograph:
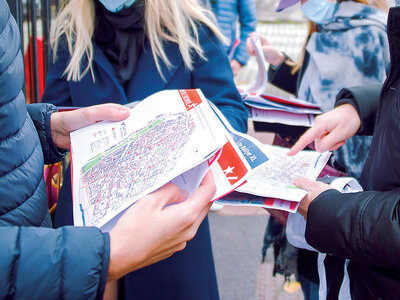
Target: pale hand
(314, 188)
(152, 230)
(236, 66)
(272, 55)
(63, 123)
(331, 130)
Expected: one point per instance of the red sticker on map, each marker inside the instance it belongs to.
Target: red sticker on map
(231, 164)
(190, 98)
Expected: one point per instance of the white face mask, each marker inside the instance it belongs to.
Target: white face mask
(116, 5)
(319, 11)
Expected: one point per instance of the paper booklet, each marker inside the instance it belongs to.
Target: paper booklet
(177, 136)
(270, 108)
(271, 185)
(269, 181)
(172, 135)
(259, 86)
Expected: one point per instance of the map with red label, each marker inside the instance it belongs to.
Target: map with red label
(137, 162)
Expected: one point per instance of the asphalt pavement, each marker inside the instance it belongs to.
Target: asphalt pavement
(237, 238)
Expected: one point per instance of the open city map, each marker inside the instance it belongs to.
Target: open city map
(137, 162)
(177, 136)
(116, 163)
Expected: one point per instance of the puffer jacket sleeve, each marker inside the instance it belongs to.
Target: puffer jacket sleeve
(41, 263)
(363, 227)
(248, 21)
(40, 114)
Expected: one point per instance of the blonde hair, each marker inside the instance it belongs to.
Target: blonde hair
(165, 20)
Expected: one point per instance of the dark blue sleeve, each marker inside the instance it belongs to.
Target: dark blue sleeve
(57, 87)
(215, 79)
(41, 263)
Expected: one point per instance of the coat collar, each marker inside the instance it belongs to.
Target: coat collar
(146, 79)
(101, 60)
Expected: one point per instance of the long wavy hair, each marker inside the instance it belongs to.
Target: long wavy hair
(165, 20)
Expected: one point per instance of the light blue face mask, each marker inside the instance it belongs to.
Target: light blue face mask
(319, 11)
(397, 2)
(116, 5)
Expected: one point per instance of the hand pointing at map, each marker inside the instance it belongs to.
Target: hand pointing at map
(330, 130)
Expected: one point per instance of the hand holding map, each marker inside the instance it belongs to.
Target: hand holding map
(156, 233)
(116, 163)
(177, 136)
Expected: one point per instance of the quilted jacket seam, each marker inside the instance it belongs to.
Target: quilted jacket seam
(23, 162)
(30, 195)
(13, 273)
(12, 134)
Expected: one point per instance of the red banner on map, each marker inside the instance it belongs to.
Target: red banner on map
(190, 98)
(231, 164)
(214, 157)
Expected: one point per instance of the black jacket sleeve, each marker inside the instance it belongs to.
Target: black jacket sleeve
(363, 227)
(282, 77)
(365, 100)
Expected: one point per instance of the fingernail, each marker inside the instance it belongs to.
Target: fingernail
(124, 111)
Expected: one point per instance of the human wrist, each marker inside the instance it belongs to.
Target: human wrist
(116, 259)
(123, 257)
(55, 125)
(351, 112)
(278, 60)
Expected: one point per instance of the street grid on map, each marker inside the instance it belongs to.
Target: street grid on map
(135, 164)
(283, 170)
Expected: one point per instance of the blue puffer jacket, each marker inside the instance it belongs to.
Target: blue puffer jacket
(36, 263)
(228, 12)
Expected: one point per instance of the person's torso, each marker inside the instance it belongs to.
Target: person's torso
(226, 12)
(146, 79)
(381, 171)
(349, 51)
(211, 73)
(23, 198)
